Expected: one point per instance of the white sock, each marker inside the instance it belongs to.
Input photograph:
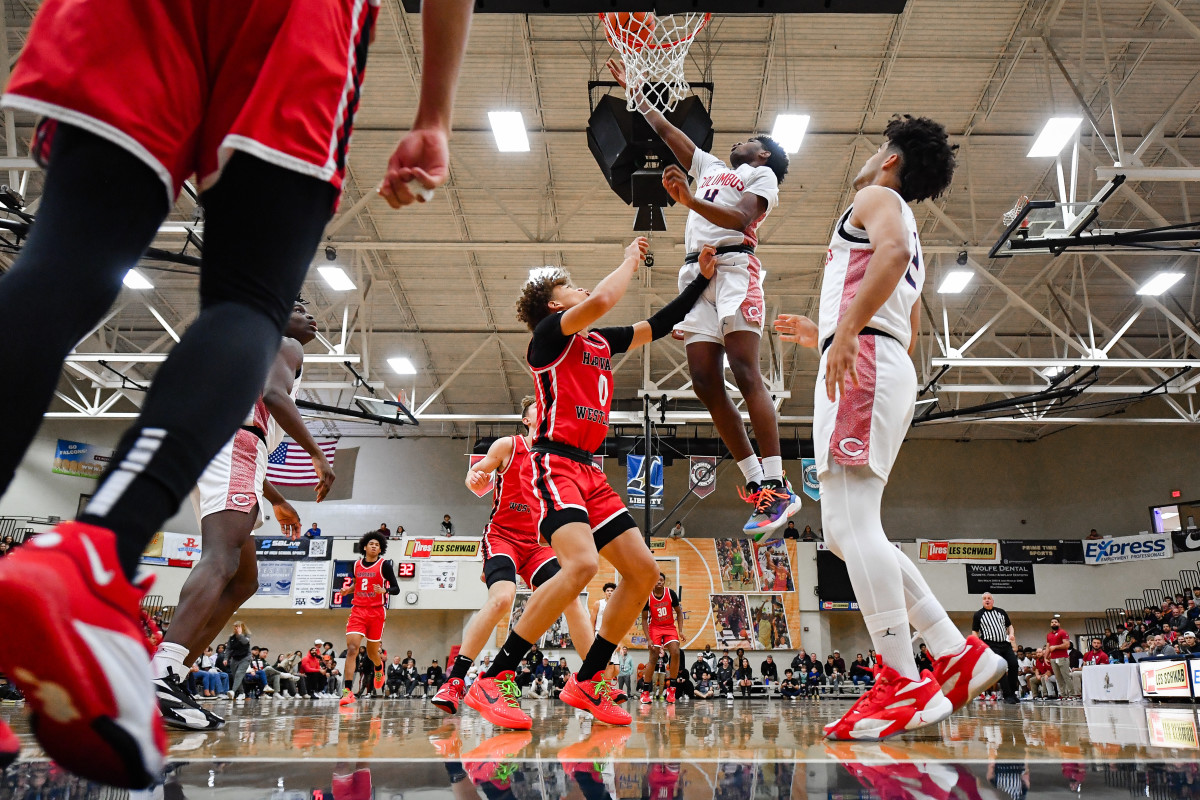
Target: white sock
(889, 634)
(751, 469)
(773, 468)
(170, 655)
(936, 628)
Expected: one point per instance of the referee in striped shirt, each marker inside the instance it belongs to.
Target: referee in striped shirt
(994, 627)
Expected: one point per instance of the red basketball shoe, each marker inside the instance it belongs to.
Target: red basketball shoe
(10, 746)
(595, 697)
(588, 755)
(380, 679)
(449, 697)
(894, 704)
(671, 694)
(964, 675)
(80, 655)
(492, 760)
(496, 699)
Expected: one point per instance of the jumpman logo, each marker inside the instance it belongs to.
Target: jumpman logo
(889, 633)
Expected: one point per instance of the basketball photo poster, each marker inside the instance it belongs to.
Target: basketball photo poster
(558, 637)
(774, 567)
(770, 622)
(735, 559)
(731, 620)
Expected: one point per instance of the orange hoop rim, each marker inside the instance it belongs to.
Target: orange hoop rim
(687, 40)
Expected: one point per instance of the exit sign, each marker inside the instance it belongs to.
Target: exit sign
(1176, 493)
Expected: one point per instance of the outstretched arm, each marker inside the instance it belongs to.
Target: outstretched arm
(608, 292)
(497, 456)
(677, 140)
(277, 396)
(664, 321)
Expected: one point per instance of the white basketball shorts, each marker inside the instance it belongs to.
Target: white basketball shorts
(732, 302)
(867, 425)
(233, 480)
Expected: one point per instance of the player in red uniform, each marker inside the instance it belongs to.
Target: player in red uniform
(510, 548)
(373, 577)
(579, 514)
(256, 99)
(662, 618)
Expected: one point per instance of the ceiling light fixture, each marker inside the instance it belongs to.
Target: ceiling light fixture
(337, 279)
(1054, 137)
(955, 281)
(402, 365)
(1160, 283)
(789, 130)
(136, 280)
(509, 129)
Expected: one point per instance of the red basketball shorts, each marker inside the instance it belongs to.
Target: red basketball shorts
(568, 491)
(662, 634)
(528, 557)
(367, 621)
(183, 84)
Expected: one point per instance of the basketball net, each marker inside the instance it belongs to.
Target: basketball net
(653, 49)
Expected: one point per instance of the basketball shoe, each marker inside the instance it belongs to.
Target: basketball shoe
(645, 698)
(589, 754)
(619, 696)
(179, 709)
(81, 656)
(492, 760)
(671, 694)
(380, 677)
(773, 503)
(446, 741)
(594, 697)
(10, 746)
(496, 699)
(964, 675)
(449, 697)
(894, 704)
(348, 698)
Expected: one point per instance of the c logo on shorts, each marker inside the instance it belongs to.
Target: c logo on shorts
(243, 500)
(856, 446)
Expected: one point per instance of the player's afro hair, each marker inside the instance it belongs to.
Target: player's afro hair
(779, 161)
(533, 305)
(377, 536)
(926, 156)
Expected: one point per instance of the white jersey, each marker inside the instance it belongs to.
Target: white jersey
(845, 266)
(601, 604)
(722, 186)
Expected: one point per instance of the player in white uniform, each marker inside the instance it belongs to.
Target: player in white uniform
(229, 500)
(729, 204)
(865, 395)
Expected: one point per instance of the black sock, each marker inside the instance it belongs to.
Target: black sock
(349, 683)
(597, 658)
(461, 665)
(509, 658)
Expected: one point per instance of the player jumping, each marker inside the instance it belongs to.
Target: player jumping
(373, 575)
(510, 548)
(662, 619)
(256, 99)
(229, 500)
(729, 205)
(865, 396)
(578, 513)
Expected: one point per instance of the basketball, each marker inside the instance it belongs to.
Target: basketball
(632, 29)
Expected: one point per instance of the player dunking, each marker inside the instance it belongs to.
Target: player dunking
(510, 548)
(256, 99)
(373, 576)
(865, 396)
(731, 201)
(229, 500)
(578, 513)
(662, 619)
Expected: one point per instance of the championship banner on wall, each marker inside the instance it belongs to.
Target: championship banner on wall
(269, 548)
(702, 475)
(1186, 541)
(491, 482)
(808, 472)
(636, 484)
(1034, 551)
(80, 459)
(310, 584)
(1127, 548)
(1006, 578)
(959, 551)
(442, 548)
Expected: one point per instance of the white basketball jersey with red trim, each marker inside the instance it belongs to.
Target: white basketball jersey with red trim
(845, 266)
(722, 186)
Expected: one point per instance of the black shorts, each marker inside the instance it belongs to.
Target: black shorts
(501, 568)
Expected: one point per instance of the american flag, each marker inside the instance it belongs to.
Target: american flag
(289, 465)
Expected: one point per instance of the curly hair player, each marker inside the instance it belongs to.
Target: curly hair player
(731, 201)
(577, 512)
(865, 397)
(373, 575)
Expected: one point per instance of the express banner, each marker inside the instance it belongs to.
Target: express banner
(1006, 578)
(959, 551)
(1127, 548)
(1034, 551)
(702, 475)
(642, 481)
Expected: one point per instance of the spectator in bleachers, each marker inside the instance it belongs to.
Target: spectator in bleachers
(399, 532)
(1093, 535)
(789, 687)
(872, 659)
(1159, 647)
(213, 681)
(412, 678)
(924, 662)
(801, 662)
(839, 662)
(539, 689)
(1025, 669)
(724, 676)
(770, 673)
(313, 673)
(1109, 641)
(705, 690)
(434, 677)
(791, 531)
(809, 535)
(543, 669)
(684, 688)
(254, 682)
(279, 680)
(677, 531)
(833, 675)
(744, 677)
(313, 532)
(395, 679)
(524, 673)
(333, 676)
(383, 528)
(447, 526)
(1187, 646)
(861, 672)
(1042, 679)
(1180, 621)
(815, 680)
(4, 549)
(560, 676)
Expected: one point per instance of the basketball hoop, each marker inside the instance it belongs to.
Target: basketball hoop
(653, 49)
(1011, 215)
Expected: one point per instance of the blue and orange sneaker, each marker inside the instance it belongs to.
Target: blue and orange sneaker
(773, 503)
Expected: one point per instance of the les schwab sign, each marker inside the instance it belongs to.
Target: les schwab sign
(442, 548)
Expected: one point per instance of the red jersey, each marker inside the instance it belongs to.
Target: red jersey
(662, 609)
(369, 585)
(575, 387)
(511, 496)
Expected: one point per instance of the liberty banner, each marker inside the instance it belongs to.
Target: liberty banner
(637, 481)
(702, 475)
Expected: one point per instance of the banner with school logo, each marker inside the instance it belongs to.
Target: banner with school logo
(808, 472)
(702, 475)
(491, 481)
(639, 482)
(310, 584)
(1127, 548)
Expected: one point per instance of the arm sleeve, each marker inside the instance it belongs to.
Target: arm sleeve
(674, 598)
(665, 319)
(619, 338)
(763, 183)
(389, 577)
(548, 341)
